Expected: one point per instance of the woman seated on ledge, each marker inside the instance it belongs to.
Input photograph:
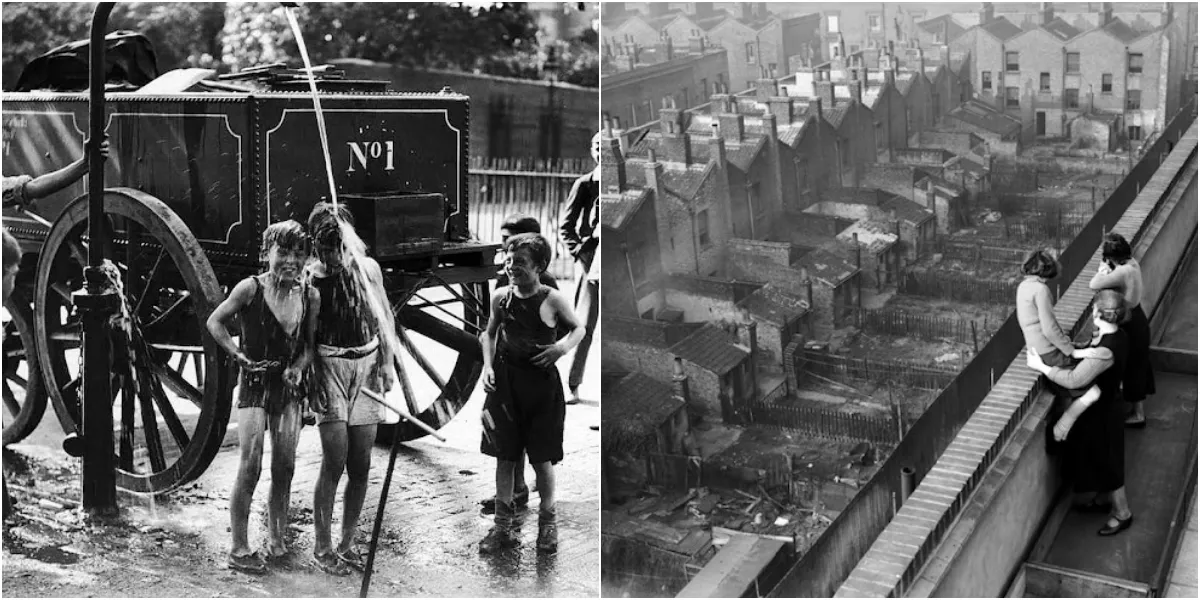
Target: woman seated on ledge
(1093, 425)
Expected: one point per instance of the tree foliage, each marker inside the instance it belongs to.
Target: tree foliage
(495, 38)
(183, 34)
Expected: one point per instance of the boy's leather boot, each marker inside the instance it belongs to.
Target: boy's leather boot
(547, 540)
(502, 535)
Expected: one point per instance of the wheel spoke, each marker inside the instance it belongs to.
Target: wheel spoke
(174, 425)
(137, 310)
(169, 310)
(17, 379)
(178, 384)
(420, 358)
(441, 332)
(10, 401)
(443, 309)
(158, 461)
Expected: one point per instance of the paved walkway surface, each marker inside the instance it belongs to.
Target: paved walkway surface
(429, 543)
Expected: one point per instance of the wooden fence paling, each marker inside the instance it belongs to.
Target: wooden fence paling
(500, 187)
(825, 424)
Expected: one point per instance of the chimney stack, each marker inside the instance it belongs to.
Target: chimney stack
(823, 88)
(1106, 17)
(654, 175)
(768, 120)
(766, 87)
(675, 143)
(680, 380)
(664, 51)
(1047, 14)
(696, 45)
(782, 107)
(717, 147)
(733, 124)
(816, 109)
(921, 60)
(1168, 12)
(612, 163)
(856, 87)
(986, 14)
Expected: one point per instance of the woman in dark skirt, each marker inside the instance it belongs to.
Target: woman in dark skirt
(1092, 429)
(1120, 271)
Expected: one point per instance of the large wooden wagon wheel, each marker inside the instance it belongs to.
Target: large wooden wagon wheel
(439, 327)
(24, 393)
(168, 422)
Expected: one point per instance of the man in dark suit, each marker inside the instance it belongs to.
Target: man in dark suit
(581, 233)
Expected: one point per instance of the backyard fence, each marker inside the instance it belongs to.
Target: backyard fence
(1049, 226)
(826, 423)
(926, 327)
(962, 288)
(500, 187)
(879, 372)
(978, 252)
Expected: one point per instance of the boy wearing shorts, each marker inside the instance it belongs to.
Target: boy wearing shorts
(525, 408)
(278, 318)
(351, 355)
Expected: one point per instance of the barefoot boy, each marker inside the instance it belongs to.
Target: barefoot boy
(351, 355)
(525, 408)
(278, 314)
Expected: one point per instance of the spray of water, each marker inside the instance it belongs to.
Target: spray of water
(312, 86)
(354, 250)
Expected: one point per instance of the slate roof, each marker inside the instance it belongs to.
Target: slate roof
(907, 210)
(1060, 29)
(1001, 28)
(828, 265)
(934, 25)
(1122, 31)
(617, 211)
(985, 117)
(773, 305)
(793, 132)
(835, 114)
(638, 398)
(707, 23)
(711, 349)
(904, 81)
(742, 155)
(659, 22)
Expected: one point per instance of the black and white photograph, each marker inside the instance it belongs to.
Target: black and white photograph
(299, 299)
(899, 299)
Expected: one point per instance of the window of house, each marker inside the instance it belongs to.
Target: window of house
(1133, 99)
(1012, 61)
(1012, 97)
(835, 51)
(695, 33)
(1135, 63)
(873, 21)
(1072, 62)
(750, 52)
(1106, 83)
(1135, 133)
(986, 82)
(1072, 98)
(702, 228)
(833, 22)
(1044, 82)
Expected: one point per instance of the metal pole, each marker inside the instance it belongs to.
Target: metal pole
(908, 483)
(97, 302)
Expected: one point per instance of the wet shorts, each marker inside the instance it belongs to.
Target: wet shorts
(341, 379)
(525, 415)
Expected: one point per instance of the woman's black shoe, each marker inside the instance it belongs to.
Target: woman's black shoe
(1122, 525)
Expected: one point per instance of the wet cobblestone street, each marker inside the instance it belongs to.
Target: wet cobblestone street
(428, 546)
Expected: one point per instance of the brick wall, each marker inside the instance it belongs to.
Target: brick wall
(957, 142)
(931, 157)
(780, 253)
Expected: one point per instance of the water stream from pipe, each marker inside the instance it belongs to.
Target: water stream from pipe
(312, 86)
(353, 248)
